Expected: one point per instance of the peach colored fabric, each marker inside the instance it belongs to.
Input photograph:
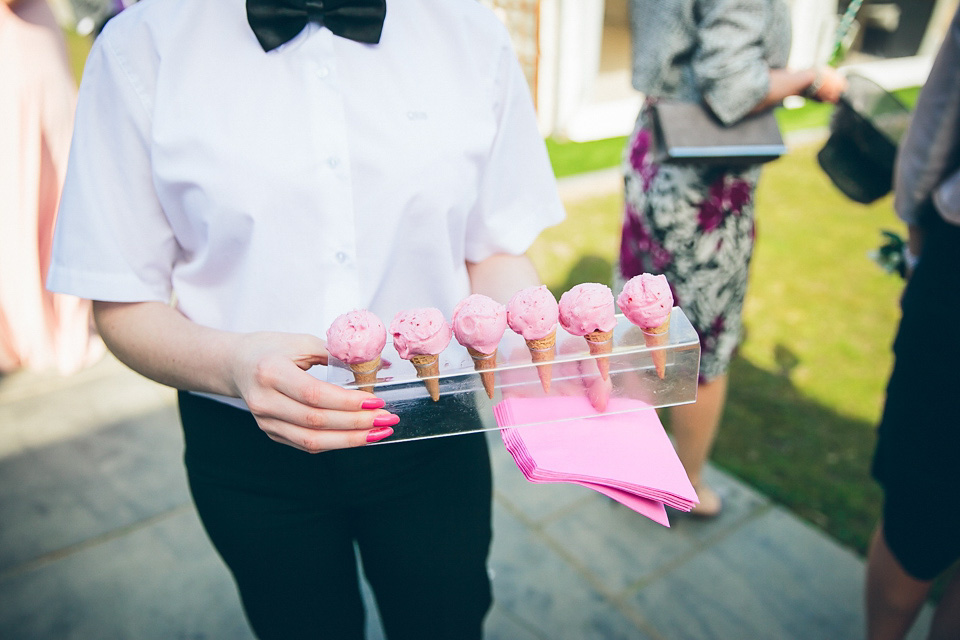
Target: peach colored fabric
(38, 330)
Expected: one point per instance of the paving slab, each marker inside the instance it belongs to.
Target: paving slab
(159, 580)
(37, 409)
(537, 585)
(619, 550)
(65, 494)
(771, 578)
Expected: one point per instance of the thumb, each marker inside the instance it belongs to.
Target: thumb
(309, 350)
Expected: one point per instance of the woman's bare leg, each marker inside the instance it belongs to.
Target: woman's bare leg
(694, 427)
(894, 597)
(946, 620)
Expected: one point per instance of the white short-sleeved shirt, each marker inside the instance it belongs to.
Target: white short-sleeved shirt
(274, 191)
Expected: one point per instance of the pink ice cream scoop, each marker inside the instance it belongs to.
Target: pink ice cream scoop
(646, 300)
(479, 323)
(420, 332)
(533, 313)
(586, 308)
(419, 335)
(357, 336)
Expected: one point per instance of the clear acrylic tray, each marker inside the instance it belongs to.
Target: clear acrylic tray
(464, 406)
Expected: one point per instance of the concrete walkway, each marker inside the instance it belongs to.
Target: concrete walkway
(99, 540)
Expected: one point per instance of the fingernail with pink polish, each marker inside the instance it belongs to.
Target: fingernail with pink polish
(375, 435)
(386, 421)
(372, 403)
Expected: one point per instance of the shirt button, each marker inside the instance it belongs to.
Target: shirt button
(341, 257)
(323, 72)
(333, 161)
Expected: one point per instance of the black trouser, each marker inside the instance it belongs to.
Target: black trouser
(285, 522)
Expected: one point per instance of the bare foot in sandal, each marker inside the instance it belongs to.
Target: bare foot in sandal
(710, 503)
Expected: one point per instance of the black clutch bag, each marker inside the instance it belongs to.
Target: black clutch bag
(688, 132)
(865, 132)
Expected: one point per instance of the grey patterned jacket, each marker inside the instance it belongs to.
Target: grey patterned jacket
(929, 158)
(715, 51)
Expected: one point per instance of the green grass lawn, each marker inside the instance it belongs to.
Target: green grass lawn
(807, 386)
(807, 389)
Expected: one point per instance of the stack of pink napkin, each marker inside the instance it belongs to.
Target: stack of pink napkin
(623, 453)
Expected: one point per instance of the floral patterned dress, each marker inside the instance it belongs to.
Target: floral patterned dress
(694, 224)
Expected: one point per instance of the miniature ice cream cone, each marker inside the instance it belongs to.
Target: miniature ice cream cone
(587, 310)
(365, 374)
(357, 338)
(478, 324)
(484, 363)
(657, 337)
(646, 301)
(420, 335)
(428, 365)
(601, 345)
(533, 313)
(543, 352)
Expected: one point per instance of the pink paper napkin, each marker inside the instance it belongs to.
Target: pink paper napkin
(652, 509)
(626, 456)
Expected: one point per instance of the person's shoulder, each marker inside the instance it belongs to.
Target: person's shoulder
(146, 22)
(146, 34)
(136, 16)
(469, 18)
(473, 9)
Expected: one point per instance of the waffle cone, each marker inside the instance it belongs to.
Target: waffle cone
(484, 363)
(601, 343)
(429, 365)
(655, 337)
(365, 374)
(543, 351)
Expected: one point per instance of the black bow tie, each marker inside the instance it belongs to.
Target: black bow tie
(277, 21)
